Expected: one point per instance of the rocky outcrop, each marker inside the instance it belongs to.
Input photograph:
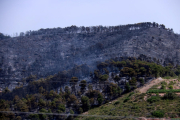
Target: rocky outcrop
(48, 51)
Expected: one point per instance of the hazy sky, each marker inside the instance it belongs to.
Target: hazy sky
(22, 15)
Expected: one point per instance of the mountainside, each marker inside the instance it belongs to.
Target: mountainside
(156, 103)
(48, 51)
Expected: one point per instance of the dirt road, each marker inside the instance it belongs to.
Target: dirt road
(149, 85)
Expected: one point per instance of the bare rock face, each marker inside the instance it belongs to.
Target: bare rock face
(48, 51)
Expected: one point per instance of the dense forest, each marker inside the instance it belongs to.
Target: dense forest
(61, 93)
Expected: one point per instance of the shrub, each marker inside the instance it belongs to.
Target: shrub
(167, 77)
(158, 113)
(163, 87)
(163, 91)
(170, 87)
(117, 102)
(135, 107)
(18, 118)
(171, 83)
(126, 99)
(169, 95)
(153, 99)
(163, 83)
(131, 94)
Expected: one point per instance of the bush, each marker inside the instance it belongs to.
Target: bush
(163, 87)
(163, 91)
(169, 95)
(117, 102)
(18, 118)
(126, 99)
(158, 113)
(167, 77)
(131, 94)
(170, 87)
(135, 107)
(163, 83)
(153, 99)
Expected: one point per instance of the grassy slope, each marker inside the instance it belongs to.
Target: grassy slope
(136, 106)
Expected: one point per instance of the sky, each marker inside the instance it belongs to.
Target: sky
(23, 15)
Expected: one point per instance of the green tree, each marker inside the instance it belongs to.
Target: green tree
(127, 86)
(72, 100)
(42, 103)
(61, 108)
(103, 77)
(133, 81)
(100, 98)
(41, 90)
(141, 81)
(43, 116)
(18, 118)
(85, 103)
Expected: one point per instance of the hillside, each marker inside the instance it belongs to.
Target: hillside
(138, 105)
(61, 96)
(74, 69)
(47, 51)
